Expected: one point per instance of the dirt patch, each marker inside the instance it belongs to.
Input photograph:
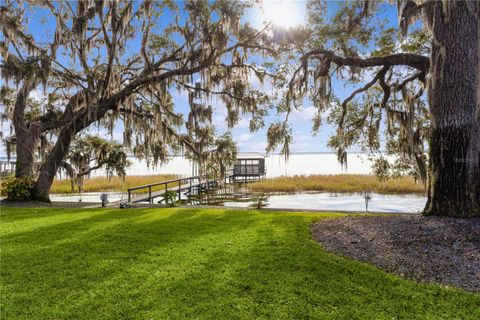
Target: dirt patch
(432, 249)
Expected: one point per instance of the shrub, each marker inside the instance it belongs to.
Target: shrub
(259, 202)
(368, 197)
(17, 188)
(170, 198)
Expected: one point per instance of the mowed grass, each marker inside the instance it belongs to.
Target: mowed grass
(342, 183)
(197, 264)
(97, 184)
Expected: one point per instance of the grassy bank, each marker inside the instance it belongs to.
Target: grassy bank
(197, 264)
(98, 184)
(338, 183)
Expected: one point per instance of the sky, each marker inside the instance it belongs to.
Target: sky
(287, 14)
(282, 13)
(290, 14)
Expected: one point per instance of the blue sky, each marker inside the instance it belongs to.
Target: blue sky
(285, 13)
(292, 13)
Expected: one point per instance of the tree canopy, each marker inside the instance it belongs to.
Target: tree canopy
(389, 69)
(109, 61)
(411, 93)
(91, 153)
(384, 111)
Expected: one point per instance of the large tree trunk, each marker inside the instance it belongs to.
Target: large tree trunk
(454, 96)
(25, 140)
(49, 168)
(25, 144)
(54, 160)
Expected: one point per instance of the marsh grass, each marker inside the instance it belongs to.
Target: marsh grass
(341, 183)
(98, 184)
(197, 264)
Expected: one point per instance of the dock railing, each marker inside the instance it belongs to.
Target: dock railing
(155, 190)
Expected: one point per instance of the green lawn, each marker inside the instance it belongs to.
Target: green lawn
(196, 264)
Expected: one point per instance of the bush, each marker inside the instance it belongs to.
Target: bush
(170, 198)
(259, 202)
(17, 188)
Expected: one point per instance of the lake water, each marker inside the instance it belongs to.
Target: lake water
(87, 197)
(301, 201)
(343, 202)
(297, 164)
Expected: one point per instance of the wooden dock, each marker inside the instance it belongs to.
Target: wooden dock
(190, 185)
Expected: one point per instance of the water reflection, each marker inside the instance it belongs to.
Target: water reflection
(342, 202)
(93, 197)
(301, 201)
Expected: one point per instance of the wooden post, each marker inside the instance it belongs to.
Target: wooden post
(129, 198)
(190, 190)
(150, 194)
(179, 190)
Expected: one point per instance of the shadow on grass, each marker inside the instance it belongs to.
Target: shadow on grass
(66, 259)
(15, 214)
(193, 263)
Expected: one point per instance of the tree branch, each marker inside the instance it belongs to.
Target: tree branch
(416, 61)
(67, 115)
(420, 76)
(378, 76)
(187, 86)
(95, 167)
(248, 66)
(166, 125)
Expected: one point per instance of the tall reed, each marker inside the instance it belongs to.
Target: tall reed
(98, 184)
(342, 183)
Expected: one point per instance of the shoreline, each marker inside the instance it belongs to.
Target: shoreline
(96, 205)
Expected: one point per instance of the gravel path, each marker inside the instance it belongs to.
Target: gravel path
(433, 249)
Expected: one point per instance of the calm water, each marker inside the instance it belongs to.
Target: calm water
(343, 202)
(87, 197)
(302, 201)
(297, 164)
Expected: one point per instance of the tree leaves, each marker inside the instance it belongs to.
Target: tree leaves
(123, 61)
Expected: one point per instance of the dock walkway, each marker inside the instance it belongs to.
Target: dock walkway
(188, 185)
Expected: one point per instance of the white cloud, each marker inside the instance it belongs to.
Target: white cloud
(243, 123)
(37, 95)
(220, 123)
(254, 81)
(266, 86)
(304, 137)
(307, 114)
(304, 114)
(252, 146)
(244, 137)
(302, 147)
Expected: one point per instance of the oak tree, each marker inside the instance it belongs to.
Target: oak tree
(419, 82)
(91, 153)
(101, 63)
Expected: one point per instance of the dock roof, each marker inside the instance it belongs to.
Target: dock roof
(250, 155)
